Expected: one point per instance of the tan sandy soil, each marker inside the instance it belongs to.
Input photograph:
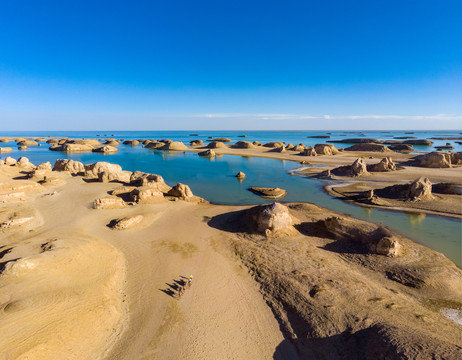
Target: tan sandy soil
(74, 288)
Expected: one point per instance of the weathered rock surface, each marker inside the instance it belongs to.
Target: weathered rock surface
(131, 142)
(358, 168)
(325, 149)
(107, 172)
(433, 159)
(106, 149)
(222, 139)
(216, 145)
(109, 202)
(401, 148)
(240, 175)
(139, 178)
(24, 162)
(243, 145)
(71, 166)
(271, 219)
(147, 195)
(256, 143)
(126, 223)
(268, 192)
(370, 147)
(181, 191)
(309, 151)
(274, 144)
(174, 146)
(196, 143)
(155, 145)
(4, 150)
(70, 148)
(386, 164)
(27, 143)
(419, 189)
(207, 153)
(10, 161)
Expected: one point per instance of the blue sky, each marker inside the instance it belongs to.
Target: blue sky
(147, 65)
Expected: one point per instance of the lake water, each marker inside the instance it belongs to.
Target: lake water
(214, 179)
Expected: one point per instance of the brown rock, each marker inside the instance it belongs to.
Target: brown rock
(70, 166)
(106, 149)
(274, 144)
(434, 159)
(309, 151)
(359, 168)
(421, 189)
(139, 178)
(271, 219)
(216, 145)
(4, 150)
(27, 143)
(243, 145)
(109, 202)
(147, 195)
(174, 146)
(207, 153)
(196, 143)
(10, 161)
(369, 147)
(240, 175)
(268, 192)
(326, 149)
(106, 172)
(386, 164)
(181, 191)
(131, 142)
(126, 223)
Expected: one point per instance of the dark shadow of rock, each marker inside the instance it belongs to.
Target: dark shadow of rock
(234, 222)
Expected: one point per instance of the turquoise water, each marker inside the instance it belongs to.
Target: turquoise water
(214, 180)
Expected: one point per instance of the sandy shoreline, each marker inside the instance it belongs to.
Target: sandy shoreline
(114, 290)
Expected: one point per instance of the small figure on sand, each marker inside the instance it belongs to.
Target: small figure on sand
(190, 280)
(180, 291)
(274, 205)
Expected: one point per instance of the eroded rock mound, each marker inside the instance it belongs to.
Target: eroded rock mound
(433, 159)
(240, 175)
(181, 191)
(386, 164)
(27, 143)
(309, 151)
(109, 202)
(271, 219)
(358, 168)
(379, 240)
(147, 195)
(207, 153)
(404, 148)
(106, 172)
(268, 192)
(174, 146)
(274, 144)
(216, 145)
(243, 145)
(419, 189)
(106, 149)
(155, 145)
(70, 166)
(126, 223)
(196, 143)
(4, 150)
(139, 178)
(9, 161)
(325, 149)
(131, 142)
(370, 147)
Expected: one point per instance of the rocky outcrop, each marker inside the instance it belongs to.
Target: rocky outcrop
(4, 150)
(139, 178)
(243, 145)
(109, 202)
(420, 189)
(433, 159)
(155, 145)
(358, 168)
(386, 164)
(299, 147)
(114, 143)
(404, 148)
(147, 195)
(456, 158)
(181, 191)
(419, 142)
(356, 141)
(27, 143)
(274, 144)
(106, 172)
(39, 173)
(222, 139)
(369, 147)
(268, 192)
(174, 146)
(309, 151)
(379, 240)
(24, 162)
(4, 140)
(71, 148)
(240, 175)
(9, 161)
(196, 143)
(70, 166)
(278, 149)
(216, 145)
(52, 141)
(325, 149)
(22, 148)
(256, 143)
(271, 219)
(131, 142)
(207, 153)
(126, 223)
(106, 149)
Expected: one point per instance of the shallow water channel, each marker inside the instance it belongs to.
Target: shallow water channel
(213, 179)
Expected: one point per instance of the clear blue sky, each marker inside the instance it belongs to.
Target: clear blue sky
(94, 65)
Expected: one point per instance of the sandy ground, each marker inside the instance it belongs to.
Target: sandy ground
(72, 287)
